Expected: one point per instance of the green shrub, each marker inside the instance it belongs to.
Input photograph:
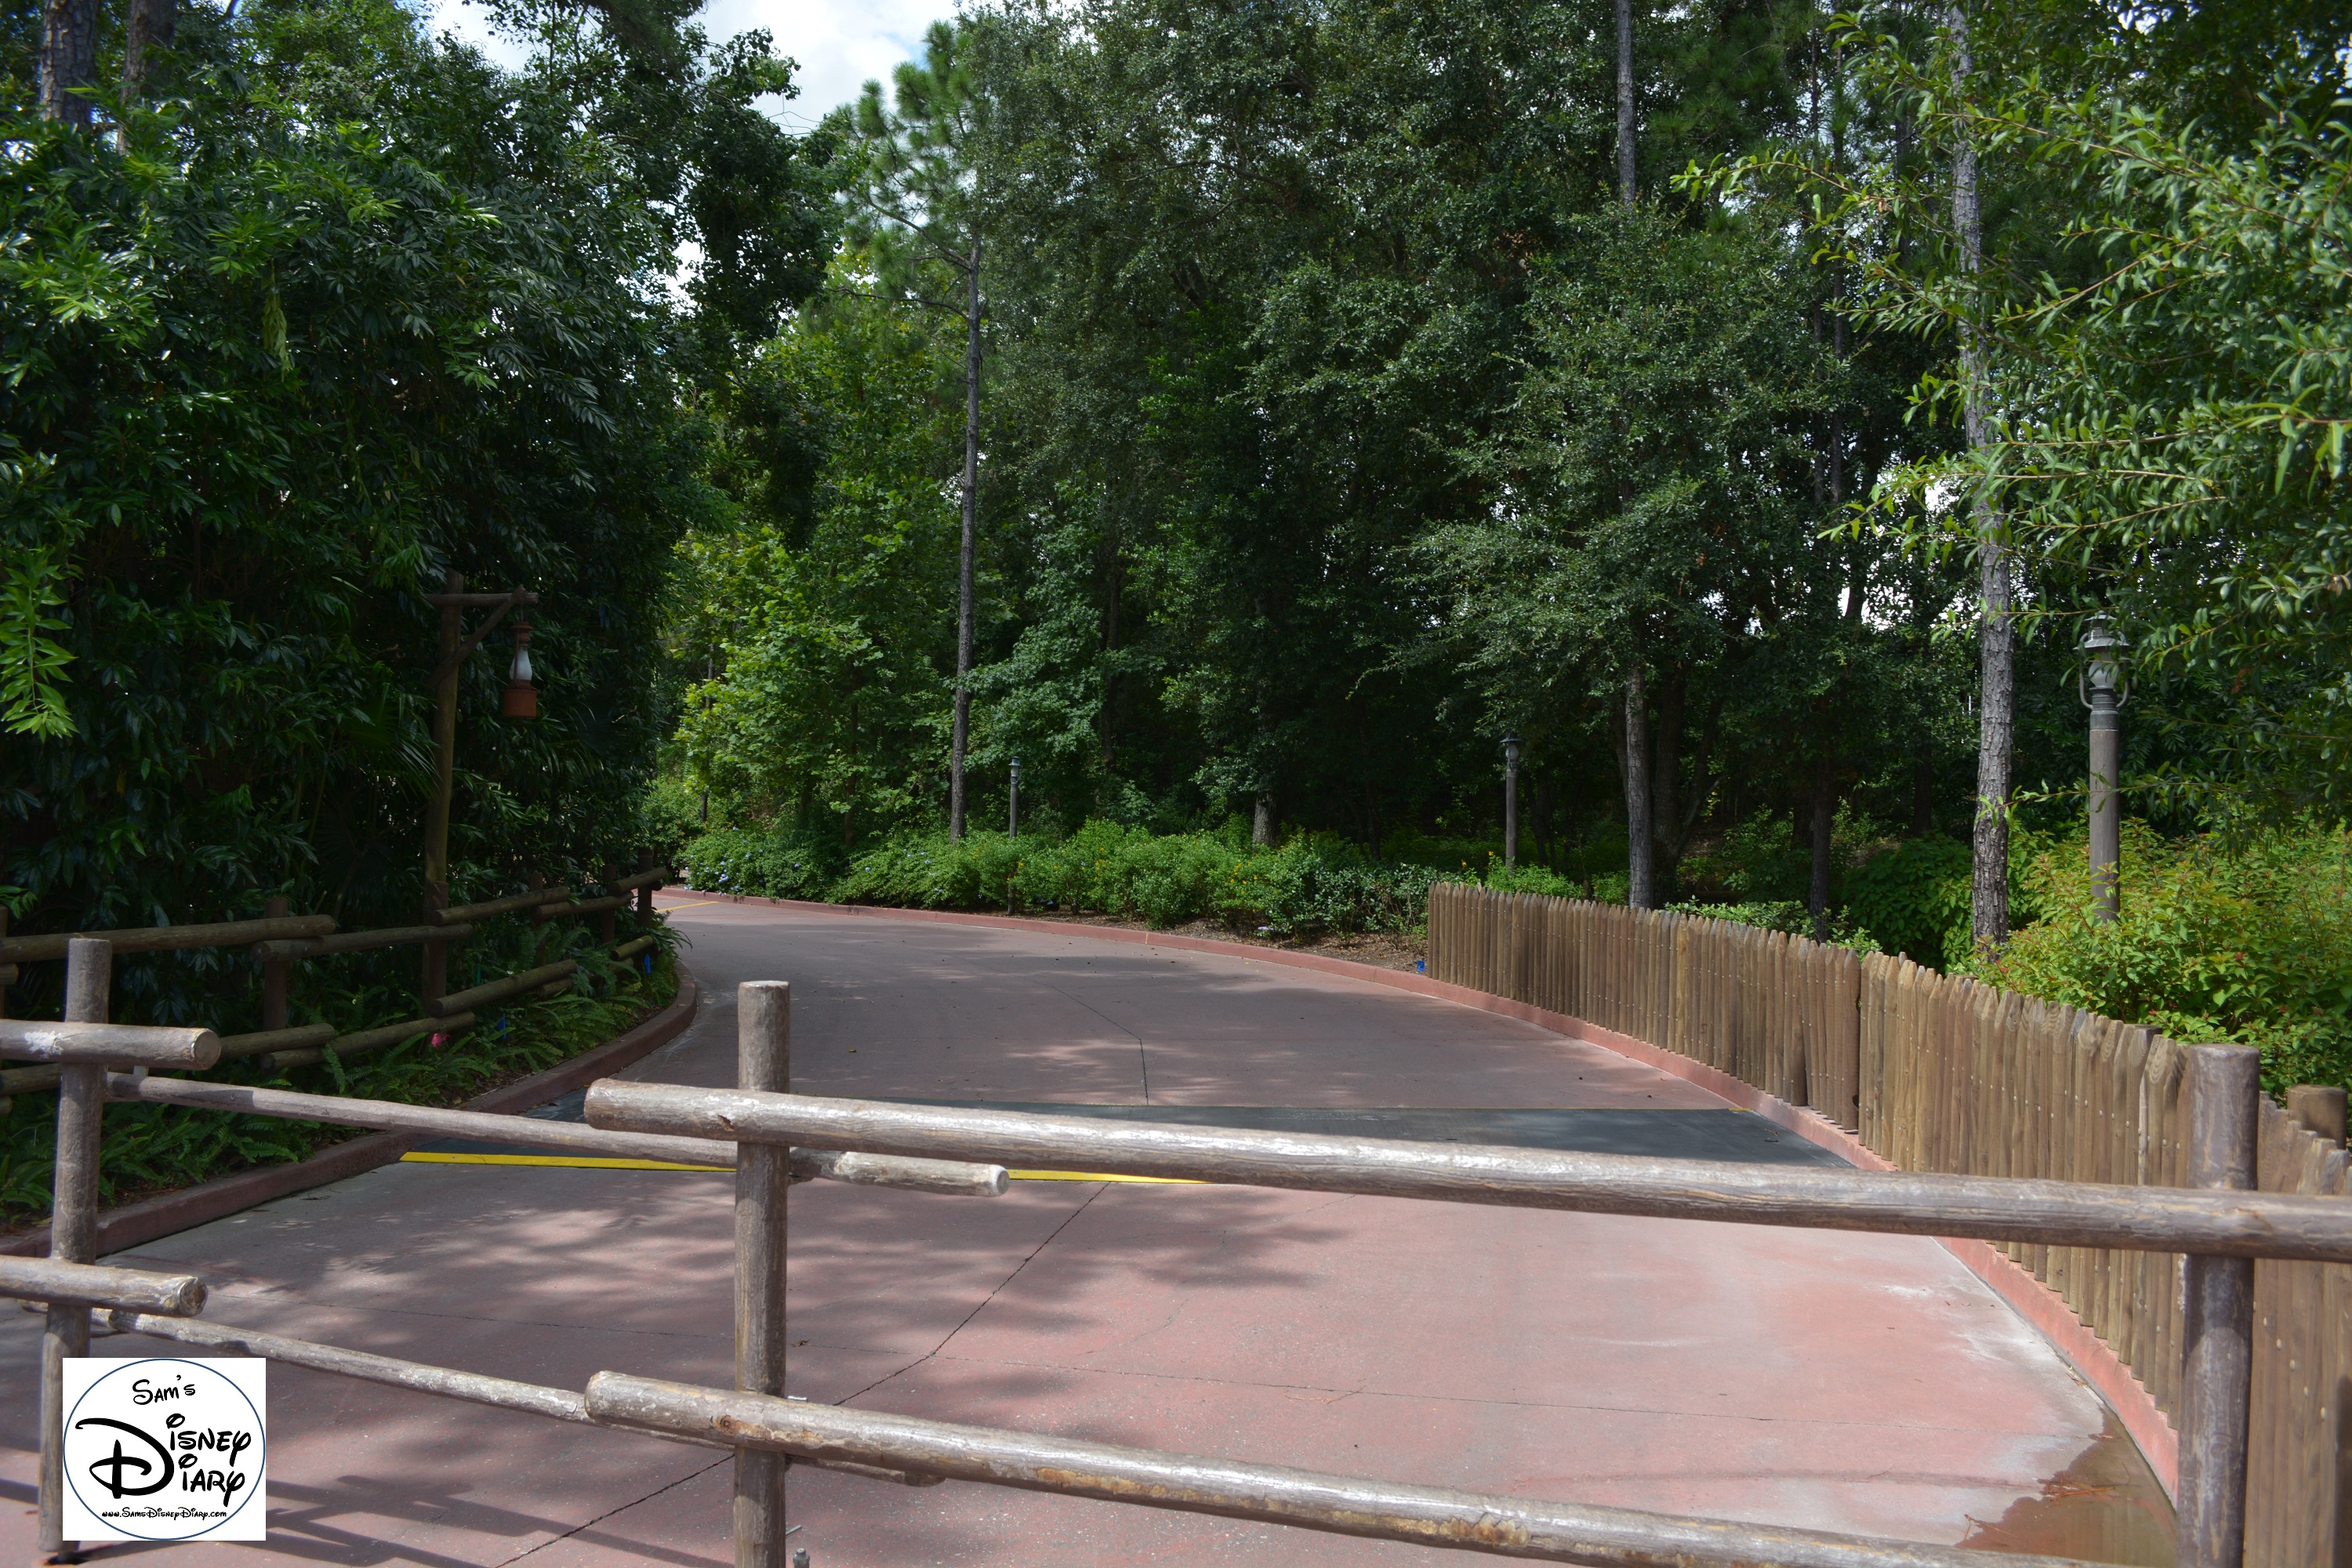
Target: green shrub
(924, 871)
(1319, 882)
(1570, 870)
(1536, 879)
(1914, 900)
(1162, 881)
(781, 864)
(1311, 884)
(2247, 941)
(1787, 915)
(669, 815)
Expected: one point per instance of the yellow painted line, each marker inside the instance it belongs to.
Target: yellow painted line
(598, 1162)
(1099, 1176)
(585, 1161)
(695, 905)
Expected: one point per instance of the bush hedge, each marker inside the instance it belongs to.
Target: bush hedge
(1311, 884)
(2246, 941)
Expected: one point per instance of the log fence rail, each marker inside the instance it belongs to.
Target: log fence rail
(277, 939)
(772, 1136)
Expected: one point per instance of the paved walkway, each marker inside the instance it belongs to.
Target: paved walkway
(1850, 1382)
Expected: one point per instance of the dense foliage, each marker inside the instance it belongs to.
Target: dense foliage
(1340, 411)
(1342, 414)
(328, 310)
(2247, 941)
(333, 309)
(2165, 374)
(1323, 446)
(1309, 885)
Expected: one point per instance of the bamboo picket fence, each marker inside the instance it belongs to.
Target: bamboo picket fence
(1935, 1073)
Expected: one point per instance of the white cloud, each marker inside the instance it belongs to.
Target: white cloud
(840, 44)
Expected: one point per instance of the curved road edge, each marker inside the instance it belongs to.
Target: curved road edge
(2044, 1310)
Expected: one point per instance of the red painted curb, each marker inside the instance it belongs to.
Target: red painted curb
(134, 1224)
(2041, 1308)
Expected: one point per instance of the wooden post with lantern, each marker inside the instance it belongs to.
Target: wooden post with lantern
(519, 701)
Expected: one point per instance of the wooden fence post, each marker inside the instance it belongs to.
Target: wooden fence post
(646, 861)
(2223, 1091)
(274, 971)
(73, 1224)
(764, 1047)
(434, 983)
(2318, 1109)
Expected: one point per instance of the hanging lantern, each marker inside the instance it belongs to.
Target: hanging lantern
(522, 699)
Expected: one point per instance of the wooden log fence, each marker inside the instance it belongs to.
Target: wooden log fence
(279, 940)
(2221, 1229)
(53, 1283)
(68, 1284)
(1496, 1525)
(1940, 1075)
(359, 942)
(955, 1178)
(275, 938)
(759, 1123)
(168, 939)
(502, 990)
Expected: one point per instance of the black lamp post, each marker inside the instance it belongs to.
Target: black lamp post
(1510, 799)
(1015, 817)
(2103, 649)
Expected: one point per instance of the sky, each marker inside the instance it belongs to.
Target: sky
(840, 44)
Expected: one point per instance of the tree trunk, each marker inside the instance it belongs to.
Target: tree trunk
(962, 731)
(1824, 828)
(1995, 715)
(150, 25)
(1665, 778)
(1625, 148)
(1110, 679)
(1858, 565)
(1640, 851)
(68, 59)
(1262, 822)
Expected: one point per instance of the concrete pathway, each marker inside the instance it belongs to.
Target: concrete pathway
(1850, 1382)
